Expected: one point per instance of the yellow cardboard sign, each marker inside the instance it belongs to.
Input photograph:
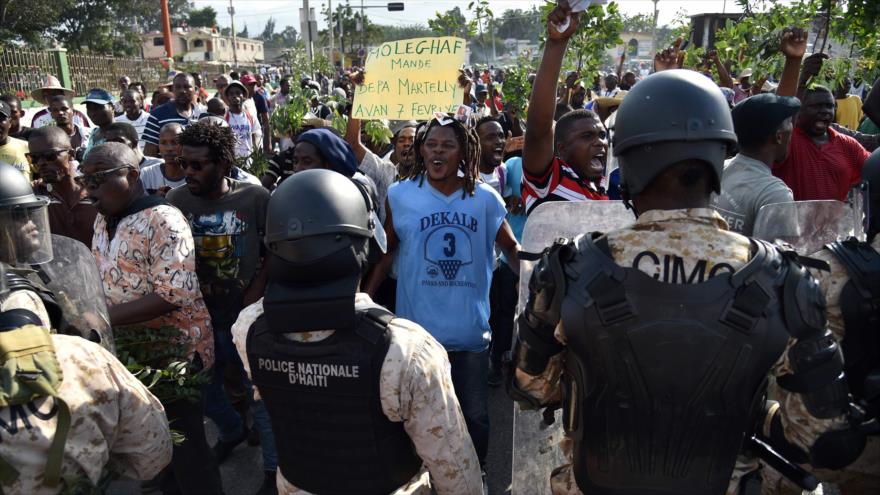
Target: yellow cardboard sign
(411, 79)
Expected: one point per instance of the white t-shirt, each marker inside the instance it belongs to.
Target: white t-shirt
(492, 180)
(139, 124)
(244, 125)
(153, 178)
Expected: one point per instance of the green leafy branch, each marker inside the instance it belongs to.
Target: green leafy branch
(158, 358)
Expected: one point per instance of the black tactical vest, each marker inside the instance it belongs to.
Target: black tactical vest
(323, 402)
(662, 381)
(860, 304)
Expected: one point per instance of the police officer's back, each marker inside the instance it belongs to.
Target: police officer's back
(664, 333)
(360, 401)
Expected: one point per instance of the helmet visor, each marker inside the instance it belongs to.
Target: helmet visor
(25, 238)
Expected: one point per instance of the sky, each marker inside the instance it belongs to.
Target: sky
(255, 13)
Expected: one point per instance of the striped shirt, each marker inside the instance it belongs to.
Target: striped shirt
(165, 114)
(559, 183)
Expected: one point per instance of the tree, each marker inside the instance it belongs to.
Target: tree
(27, 20)
(639, 23)
(268, 31)
(244, 33)
(205, 17)
(393, 33)
(519, 24)
(452, 23)
(598, 29)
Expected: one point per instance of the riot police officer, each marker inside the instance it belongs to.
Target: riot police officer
(851, 285)
(25, 240)
(360, 401)
(658, 339)
(69, 407)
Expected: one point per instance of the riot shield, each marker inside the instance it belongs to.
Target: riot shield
(73, 277)
(809, 225)
(536, 449)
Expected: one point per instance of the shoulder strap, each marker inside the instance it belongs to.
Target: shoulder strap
(377, 319)
(859, 259)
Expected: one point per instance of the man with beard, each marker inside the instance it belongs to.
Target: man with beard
(565, 163)
(228, 221)
(442, 223)
(71, 213)
(182, 110)
(62, 113)
(12, 150)
(822, 163)
(134, 114)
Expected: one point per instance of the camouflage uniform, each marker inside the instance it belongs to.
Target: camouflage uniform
(862, 476)
(673, 246)
(415, 388)
(115, 422)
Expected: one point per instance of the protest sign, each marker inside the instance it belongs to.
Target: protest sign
(411, 79)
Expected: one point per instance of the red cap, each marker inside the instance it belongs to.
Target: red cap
(248, 79)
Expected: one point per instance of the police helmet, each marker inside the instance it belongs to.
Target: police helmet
(669, 117)
(25, 238)
(320, 222)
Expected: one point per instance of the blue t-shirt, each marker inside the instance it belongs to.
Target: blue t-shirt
(445, 260)
(513, 181)
(260, 103)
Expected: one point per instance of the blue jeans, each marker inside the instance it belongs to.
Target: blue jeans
(218, 408)
(470, 371)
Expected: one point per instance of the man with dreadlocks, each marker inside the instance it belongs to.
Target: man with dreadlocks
(443, 225)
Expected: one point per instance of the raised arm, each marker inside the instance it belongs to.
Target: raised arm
(724, 79)
(793, 45)
(538, 145)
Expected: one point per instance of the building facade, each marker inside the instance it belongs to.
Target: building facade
(203, 45)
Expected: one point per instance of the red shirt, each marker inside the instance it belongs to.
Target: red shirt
(824, 171)
(559, 183)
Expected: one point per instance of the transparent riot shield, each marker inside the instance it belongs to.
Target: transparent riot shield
(536, 450)
(73, 277)
(809, 225)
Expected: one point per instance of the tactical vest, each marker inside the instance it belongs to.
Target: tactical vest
(860, 304)
(323, 402)
(663, 382)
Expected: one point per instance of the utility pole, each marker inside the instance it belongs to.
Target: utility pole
(166, 32)
(231, 11)
(307, 29)
(330, 27)
(363, 30)
(341, 34)
(654, 29)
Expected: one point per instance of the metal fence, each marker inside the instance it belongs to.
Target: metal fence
(23, 70)
(89, 71)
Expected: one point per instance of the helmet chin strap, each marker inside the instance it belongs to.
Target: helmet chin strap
(627, 201)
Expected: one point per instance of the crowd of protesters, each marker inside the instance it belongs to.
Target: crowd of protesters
(170, 171)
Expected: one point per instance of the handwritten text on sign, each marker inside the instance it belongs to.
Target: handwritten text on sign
(411, 79)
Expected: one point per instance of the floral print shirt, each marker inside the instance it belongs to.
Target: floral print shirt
(152, 251)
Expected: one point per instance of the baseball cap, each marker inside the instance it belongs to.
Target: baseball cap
(248, 79)
(99, 96)
(237, 84)
(480, 88)
(5, 109)
(757, 117)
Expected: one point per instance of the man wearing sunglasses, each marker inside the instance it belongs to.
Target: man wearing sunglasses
(71, 213)
(143, 248)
